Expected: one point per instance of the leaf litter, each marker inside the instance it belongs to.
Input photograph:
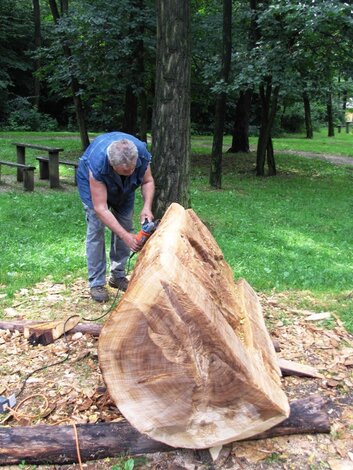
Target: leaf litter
(74, 391)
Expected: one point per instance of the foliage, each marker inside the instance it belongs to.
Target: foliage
(22, 116)
(15, 36)
(103, 47)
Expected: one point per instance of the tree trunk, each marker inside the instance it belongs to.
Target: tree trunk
(331, 128)
(75, 86)
(186, 355)
(307, 113)
(171, 120)
(130, 111)
(57, 445)
(240, 138)
(217, 146)
(271, 158)
(37, 43)
(269, 98)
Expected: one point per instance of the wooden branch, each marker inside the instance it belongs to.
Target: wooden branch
(56, 444)
(93, 329)
(47, 332)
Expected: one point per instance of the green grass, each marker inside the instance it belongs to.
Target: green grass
(340, 144)
(291, 233)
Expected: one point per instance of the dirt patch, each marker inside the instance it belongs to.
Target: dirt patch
(74, 390)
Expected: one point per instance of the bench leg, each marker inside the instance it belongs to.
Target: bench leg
(28, 180)
(21, 158)
(43, 170)
(54, 170)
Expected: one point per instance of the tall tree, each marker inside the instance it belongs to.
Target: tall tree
(37, 43)
(171, 120)
(217, 146)
(74, 83)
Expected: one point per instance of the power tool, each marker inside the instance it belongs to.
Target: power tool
(147, 228)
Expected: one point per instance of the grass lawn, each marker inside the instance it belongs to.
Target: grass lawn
(290, 234)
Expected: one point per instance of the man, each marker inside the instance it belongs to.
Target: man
(109, 172)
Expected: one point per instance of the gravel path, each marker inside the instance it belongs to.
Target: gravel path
(336, 159)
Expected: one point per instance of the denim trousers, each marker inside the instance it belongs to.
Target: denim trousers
(95, 246)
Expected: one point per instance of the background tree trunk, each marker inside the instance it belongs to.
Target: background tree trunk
(75, 86)
(307, 113)
(269, 99)
(240, 138)
(331, 128)
(171, 120)
(38, 43)
(217, 146)
(130, 111)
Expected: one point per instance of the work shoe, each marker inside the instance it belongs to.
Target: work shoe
(120, 283)
(99, 294)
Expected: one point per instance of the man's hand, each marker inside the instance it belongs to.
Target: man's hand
(146, 214)
(130, 240)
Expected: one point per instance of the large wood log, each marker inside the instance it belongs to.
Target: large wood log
(57, 445)
(186, 355)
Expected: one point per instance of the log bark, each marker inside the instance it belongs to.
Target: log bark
(56, 444)
(186, 355)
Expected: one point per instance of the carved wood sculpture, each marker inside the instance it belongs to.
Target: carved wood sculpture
(186, 355)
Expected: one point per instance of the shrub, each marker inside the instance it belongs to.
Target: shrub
(25, 117)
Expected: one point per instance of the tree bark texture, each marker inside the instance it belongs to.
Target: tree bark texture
(57, 445)
(269, 99)
(186, 355)
(240, 137)
(221, 99)
(307, 114)
(75, 86)
(171, 120)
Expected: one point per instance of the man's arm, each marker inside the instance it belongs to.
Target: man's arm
(99, 200)
(147, 190)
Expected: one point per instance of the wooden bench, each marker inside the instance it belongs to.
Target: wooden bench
(44, 167)
(53, 157)
(27, 173)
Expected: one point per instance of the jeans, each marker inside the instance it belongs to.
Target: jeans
(95, 246)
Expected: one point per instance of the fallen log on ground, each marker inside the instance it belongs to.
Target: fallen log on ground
(93, 329)
(186, 355)
(57, 444)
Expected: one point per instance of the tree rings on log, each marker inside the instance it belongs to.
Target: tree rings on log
(186, 355)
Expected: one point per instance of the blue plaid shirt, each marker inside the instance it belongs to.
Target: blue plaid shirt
(120, 192)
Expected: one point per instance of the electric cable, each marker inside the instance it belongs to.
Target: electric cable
(65, 337)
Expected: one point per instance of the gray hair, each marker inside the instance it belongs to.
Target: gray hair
(122, 153)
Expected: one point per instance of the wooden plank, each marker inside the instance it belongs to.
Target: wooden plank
(300, 370)
(56, 444)
(38, 147)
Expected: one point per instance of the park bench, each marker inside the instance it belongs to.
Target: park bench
(27, 173)
(53, 158)
(44, 171)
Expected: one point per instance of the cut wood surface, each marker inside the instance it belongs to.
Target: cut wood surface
(47, 332)
(186, 355)
(56, 444)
